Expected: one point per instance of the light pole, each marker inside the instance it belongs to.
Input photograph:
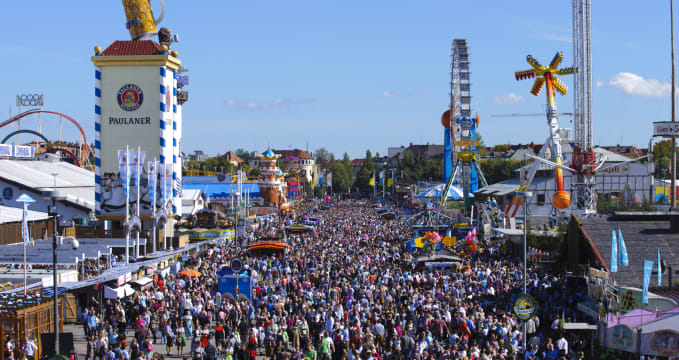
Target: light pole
(526, 195)
(54, 195)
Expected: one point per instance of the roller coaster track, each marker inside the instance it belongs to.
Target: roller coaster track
(83, 154)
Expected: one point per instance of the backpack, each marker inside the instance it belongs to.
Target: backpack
(211, 352)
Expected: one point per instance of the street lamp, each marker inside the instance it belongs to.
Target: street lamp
(54, 195)
(526, 195)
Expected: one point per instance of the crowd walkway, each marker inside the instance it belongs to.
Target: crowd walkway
(346, 290)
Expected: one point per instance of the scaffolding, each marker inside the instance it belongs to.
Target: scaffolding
(583, 161)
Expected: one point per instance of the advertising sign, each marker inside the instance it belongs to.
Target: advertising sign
(665, 128)
(524, 307)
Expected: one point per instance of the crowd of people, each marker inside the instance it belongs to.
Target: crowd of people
(347, 289)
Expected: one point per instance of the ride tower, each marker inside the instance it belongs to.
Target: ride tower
(138, 104)
(461, 128)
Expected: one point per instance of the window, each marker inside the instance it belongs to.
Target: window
(541, 199)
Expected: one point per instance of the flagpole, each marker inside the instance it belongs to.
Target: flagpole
(25, 240)
(127, 204)
(137, 181)
(153, 201)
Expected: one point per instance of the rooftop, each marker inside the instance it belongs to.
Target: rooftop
(36, 176)
(643, 238)
(132, 47)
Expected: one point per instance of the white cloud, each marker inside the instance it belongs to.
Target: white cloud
(280, 104)
(387, 93)
(635, 85)
(511, 98)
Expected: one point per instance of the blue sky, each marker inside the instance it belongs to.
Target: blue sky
(349, 75)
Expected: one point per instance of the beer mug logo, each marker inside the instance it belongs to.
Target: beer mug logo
(140, 21)
(130, 97)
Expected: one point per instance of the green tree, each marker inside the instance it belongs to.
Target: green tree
(322, 158)
(342, 176)
(243, 154)
(497, 170)
(662, 157)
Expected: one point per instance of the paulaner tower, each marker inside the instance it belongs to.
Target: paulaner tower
(138, 103)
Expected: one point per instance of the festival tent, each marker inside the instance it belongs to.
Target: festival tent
(119, 292)
(454, 192)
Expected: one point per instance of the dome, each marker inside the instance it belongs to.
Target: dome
(269, 153)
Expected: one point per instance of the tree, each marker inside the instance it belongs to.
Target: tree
(342, 177)
(243, 154)
(662, 157)
(322, 157)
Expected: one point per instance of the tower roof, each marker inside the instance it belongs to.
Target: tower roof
(269, 153)
(132, 47)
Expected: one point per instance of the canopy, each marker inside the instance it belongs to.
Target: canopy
(143, 281)
(454, 192)
(119, 292)
(189, 272)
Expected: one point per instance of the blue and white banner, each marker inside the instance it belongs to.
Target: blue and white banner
(624, 259)
(5, 150)
(381, 177)
(152, 176)
(23, 151)
(329, 182)
(659, 270)
(648, 268)
(24, 226)
(123, 164)
(614, 252)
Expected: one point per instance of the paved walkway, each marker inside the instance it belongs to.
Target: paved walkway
(81, 343)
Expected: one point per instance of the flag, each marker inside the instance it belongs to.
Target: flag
(24, 226)
(614, 252)
(152, 180)
(659, 270)
(320, 179)
(381, 177)
(371, 182)
(648, 268)
(168, 182)
(329, 180)
(624, 260)
(390, 181)
(293, 188)
(122, 166)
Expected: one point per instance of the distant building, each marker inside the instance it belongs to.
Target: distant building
(426, 151)
(192, 201)
(198, 155)
(616, 182)
(231, 157)
(301, 158)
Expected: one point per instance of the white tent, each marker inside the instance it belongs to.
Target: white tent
(119, 292)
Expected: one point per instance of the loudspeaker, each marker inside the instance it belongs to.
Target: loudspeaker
(65, 343)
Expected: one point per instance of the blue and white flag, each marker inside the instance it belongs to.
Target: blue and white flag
(624, 260)
(648, 268)
(329, 182)
(614, 252)
(320, 179)
(152, 180)
(123, 161)
(659, 270)
(382, 177)
(24, 225)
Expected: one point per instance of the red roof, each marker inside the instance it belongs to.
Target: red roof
(132, 47)
(297, 153)
(358, 162)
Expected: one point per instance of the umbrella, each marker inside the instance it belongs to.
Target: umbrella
(190, 272)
